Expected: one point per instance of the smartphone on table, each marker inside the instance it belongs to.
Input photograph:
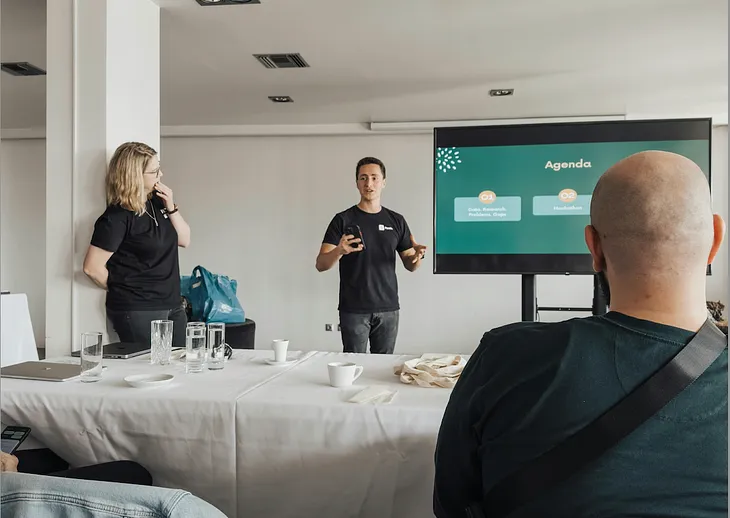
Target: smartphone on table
(12, 437)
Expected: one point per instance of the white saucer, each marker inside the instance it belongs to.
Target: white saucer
(288, 361)
(148, 380)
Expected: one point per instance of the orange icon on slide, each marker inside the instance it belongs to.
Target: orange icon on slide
(487, 197)
(568, 195)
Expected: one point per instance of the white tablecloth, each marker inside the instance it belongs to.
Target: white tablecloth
(303, 450)
(17, 342)
(184, 432)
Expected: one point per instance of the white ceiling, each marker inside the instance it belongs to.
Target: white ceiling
(410, 60)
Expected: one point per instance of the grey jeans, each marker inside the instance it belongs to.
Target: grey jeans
(380, 328)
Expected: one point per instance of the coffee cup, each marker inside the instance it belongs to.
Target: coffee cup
(343, 374)
(280, 347)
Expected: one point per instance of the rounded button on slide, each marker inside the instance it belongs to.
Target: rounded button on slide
(568, 195)
(487, 197)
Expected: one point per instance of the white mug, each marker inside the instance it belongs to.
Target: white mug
(343, 374)
(280, 347)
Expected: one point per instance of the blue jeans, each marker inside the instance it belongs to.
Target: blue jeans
(53, 497)
(380, 328)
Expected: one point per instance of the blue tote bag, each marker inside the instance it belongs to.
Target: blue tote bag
(212, 297)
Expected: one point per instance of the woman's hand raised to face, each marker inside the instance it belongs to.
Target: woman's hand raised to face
(165, 193)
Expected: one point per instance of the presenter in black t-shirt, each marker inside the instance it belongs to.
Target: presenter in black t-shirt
(368, 285)
(133, 252)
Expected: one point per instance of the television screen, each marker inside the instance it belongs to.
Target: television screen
(515, 199)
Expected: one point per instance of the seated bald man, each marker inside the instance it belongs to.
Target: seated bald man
(529, 386)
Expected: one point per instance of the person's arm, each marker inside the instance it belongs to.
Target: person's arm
(410, 252)
(109, 233)
(327, 257)
(181, 227)
(335, 245)
(412, 257)
(95, 265)
(329, 254)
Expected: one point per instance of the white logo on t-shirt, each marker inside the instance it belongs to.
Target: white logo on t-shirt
(383, 228)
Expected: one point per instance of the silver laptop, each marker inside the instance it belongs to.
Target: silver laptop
(43, 371)
(120, 350)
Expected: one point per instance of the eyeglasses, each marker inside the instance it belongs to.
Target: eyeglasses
(156, 172)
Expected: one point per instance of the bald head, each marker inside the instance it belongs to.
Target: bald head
(652, 213)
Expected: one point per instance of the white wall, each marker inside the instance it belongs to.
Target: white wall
(258, 208)
(23, 225)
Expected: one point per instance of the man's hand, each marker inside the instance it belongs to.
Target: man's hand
(420, 252)
(349, 244)
(8, 463)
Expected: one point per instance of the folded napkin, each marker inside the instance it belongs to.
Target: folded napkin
(432, 370)
(374, 395)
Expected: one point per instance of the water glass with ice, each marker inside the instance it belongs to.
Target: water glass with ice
(195, 347)
(161, 342)
(91, 357)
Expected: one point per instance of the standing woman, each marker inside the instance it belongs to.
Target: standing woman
(133, 251)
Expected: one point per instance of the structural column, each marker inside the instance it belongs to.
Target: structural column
(103, 89)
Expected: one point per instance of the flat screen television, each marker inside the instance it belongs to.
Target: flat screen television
(515, 199)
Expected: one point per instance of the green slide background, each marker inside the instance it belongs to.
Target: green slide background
(520, 171)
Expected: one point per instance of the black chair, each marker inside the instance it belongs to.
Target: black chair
(241, 336)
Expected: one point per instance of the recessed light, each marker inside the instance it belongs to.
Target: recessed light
(280, 99)
(501, 92)
(206, 3)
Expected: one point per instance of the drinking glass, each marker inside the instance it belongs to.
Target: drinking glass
(194, 347)
(161, 342)
(91, 357)
(216, 346)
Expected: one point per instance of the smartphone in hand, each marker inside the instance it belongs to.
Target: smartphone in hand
(355, 230)
(12, 437)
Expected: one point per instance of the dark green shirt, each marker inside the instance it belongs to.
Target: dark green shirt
(529, 386)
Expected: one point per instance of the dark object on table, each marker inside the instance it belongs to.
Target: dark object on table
(241, 336)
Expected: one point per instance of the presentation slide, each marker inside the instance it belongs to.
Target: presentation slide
(528, 199)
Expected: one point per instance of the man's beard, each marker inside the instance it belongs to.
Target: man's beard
(605, 288)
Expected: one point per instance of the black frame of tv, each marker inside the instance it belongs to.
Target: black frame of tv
(551, 133)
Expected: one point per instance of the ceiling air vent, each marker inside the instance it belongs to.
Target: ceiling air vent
(281, 60)
(22, 69)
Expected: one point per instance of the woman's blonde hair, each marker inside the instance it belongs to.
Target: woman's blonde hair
(124, 180)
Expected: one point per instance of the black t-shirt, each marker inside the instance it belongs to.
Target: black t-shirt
(530, 386)
(144, 272)
(367, 279)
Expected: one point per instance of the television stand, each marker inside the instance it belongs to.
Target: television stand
(530, 307)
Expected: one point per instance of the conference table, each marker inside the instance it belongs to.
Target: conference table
(254, 440)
